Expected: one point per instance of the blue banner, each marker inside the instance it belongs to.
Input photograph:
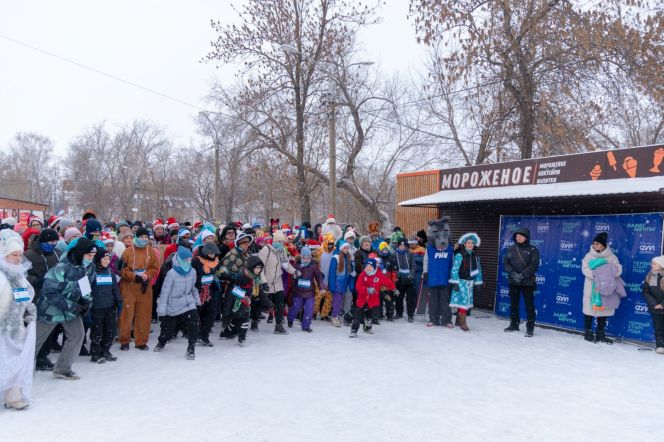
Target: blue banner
(563, 241)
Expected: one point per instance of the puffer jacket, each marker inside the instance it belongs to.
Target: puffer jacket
(41, 264)
(521, 261)
(178, 294)
(653, 292)
(61, 298)
(275, 262)
(340, 282)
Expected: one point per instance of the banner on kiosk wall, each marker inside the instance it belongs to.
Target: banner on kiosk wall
(563, 241)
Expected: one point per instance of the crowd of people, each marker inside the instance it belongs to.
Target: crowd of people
(77, 288)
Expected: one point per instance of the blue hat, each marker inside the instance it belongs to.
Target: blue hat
(474, 237)
(305, 252)
(91, 226)
(184, 253)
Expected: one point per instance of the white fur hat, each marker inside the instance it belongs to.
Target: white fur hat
(659, 260)
(10, 242)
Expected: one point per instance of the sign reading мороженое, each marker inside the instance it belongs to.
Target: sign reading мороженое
(611, 164)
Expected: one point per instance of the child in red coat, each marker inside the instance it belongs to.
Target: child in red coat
(368, 286)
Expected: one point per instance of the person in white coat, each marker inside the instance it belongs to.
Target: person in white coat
(17, 323)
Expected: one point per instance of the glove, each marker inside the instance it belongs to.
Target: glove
(371, 290)
(144, 286)
(517, 277)
(246, 301)
(138, 279)
(387, 297)
(298, 274)
(397, 293)
(30, 314)
(353, 274)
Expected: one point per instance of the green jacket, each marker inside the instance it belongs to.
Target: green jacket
(61, 298)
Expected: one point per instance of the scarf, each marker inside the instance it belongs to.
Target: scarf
(595, 296)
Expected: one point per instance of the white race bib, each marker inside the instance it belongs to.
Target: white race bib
(304, 283)
(404, 271)
(84, 286)
(139, 272)
(207, 279)
(21, 294)
(104, 280)
(238, 292)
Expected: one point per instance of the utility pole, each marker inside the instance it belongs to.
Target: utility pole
(216, 192)
(76, 176)
(332, 122)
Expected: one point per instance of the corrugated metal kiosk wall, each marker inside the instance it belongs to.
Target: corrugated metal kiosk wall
(414, 185)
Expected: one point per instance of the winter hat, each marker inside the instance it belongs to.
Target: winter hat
(474, 237)
(403, 241)
(72, 233)
(122, 223)
(157, 223)
(89, 214)
(396, 236)
(397, 229)
(306, 224)
(253, 262)
(330, 219)
(142, 231)
(82, 247)
(372, 262)
(241, 237)
(34, 218)
(107, 238)
(183, 231)
(306, 252)
(10, 242)
(205, 234)
(48, 235)
(343, 244)
(382, 246)
(126, 234)
(101, 253)
(422, 235)
(365, 239)
(246, 226)
(172, 223)
(184, 253)
(278, 236)
(53, 221)
(659, 260)
(350, 234)
(11, 221)
(210, 249)
(136, 224)
(602, 238)
(65, 223)
(92, 226)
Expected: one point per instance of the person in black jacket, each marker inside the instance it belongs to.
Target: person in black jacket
(205, 264)
(105, 300)
(521, 262)
(405, 280)
(42, 255)
(653, 292)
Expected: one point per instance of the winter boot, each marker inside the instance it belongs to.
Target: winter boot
(142, 347)
(68, 376)
(353, 334)
(307, 330)
(44, 364)
(109, 357)
(84, 351)
(159, 347)
(600, 336)
(457, 320)
(335, 322)
(588, 335)
(461, 319)
(514, 326)
(659, 350)
(204, 342)
(191, 354)
(530, 329)
(124, 347)
(254, 326)
(270, 317)
(290, 324)
(280, 330)
(99, 359)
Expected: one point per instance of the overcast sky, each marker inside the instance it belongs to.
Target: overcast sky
(156, 44)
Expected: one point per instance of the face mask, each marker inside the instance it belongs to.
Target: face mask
(306, 261)
(86, 262)
(140, 243)
(47, 247)
(371, 272)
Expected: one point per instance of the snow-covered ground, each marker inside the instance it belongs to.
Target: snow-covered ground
(406, 382)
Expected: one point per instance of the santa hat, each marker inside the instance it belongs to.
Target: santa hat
(158, 223)
(197, 224)
(172, 223)
(53, 221)
(205, 234)
(106, 238)
(330, 219)
(33, 218)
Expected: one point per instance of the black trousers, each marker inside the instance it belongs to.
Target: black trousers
(238, 324)
(278, 299)
(186, 321)
(658, 325)
(407, 291)
(515, 301)
(102, 331)
(439, 305)
(588, 323)
(389, 304)
(364, 315)
(207, 313)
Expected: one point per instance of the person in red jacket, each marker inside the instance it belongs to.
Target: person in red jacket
(368, 286)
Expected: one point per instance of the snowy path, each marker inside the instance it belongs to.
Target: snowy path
(406, 382)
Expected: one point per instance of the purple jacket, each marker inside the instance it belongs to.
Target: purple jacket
(609, 285)
(304, 285)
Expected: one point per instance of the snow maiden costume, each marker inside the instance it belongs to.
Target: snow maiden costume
(466, 274)
(17, 325)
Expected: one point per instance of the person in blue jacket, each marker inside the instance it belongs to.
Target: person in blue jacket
(340, 281)
(438, 260)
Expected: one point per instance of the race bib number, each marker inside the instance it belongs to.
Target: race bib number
(238, 292)
(104, 280)
(21, 294)
(207, 279)
(304, 283)
(404, 271)
(84, 286)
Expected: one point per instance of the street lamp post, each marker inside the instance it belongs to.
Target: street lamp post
(217, 177)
